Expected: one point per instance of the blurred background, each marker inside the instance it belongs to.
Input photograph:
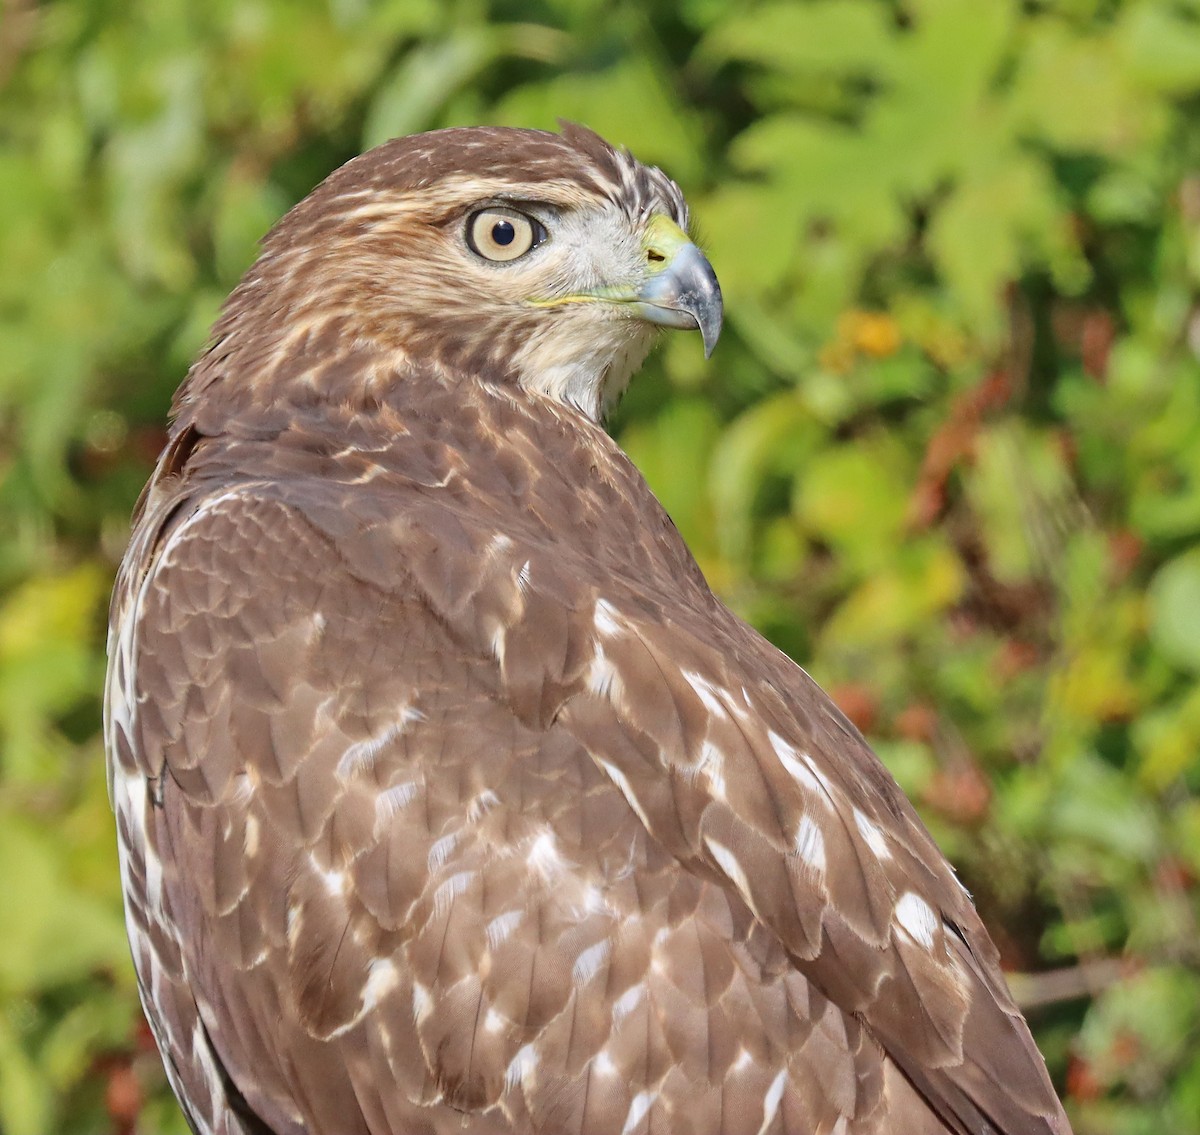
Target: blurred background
(947, 454)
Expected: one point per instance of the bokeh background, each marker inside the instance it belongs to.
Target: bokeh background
(947, 453)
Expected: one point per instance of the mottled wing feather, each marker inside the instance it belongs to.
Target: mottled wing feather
(744, 771)
(448, 795)
(396, 892)
(741, 767)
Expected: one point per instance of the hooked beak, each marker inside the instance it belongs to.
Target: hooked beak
(680, 288)
(683, 291)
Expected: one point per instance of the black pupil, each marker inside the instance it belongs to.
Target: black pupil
(503, 232)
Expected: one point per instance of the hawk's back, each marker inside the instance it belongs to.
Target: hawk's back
(449, 797)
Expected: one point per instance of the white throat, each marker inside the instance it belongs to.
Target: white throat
(591, 375)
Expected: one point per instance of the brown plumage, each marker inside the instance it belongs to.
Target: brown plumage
(449, 797)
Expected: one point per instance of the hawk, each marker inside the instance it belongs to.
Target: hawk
(449, 798)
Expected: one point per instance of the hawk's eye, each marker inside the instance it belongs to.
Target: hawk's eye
(502, 234)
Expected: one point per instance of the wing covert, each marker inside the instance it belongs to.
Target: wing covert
(366, 848)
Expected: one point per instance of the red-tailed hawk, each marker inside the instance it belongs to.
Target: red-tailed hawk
(449, 797)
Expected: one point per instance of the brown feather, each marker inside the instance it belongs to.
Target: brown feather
(449, 797)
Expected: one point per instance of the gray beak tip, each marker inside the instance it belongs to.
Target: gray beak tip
(710, 329)
(686, 294)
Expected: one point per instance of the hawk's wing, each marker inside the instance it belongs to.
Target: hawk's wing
(436, 821)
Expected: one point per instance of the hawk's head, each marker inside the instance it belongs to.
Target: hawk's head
(515, 255)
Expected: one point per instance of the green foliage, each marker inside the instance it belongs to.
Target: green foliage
(947, 453)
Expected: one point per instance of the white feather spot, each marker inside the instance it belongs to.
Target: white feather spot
(822, 780)
(295, 919)
(544, 857)
(382, 978)
(422, 1002)
(743, 1061)
(622, 782)
(250, 838)
(214, 1081)
(707, 692)
(246, 785)
(772, 1100)
(335, 882)
(602, 1064)
(522, 1066)
(447, 892)
(589, 962)
(498, 636)
(626, 1003)
(441, 850)
(728, 862)
(916, 918)
(712, 765)
(493, 1022)
(602, 676)
(389, 802)
(360, 757)
(873, 834)
(327, 711)
(800, 767)
(810, 844)
(637, 1110)
(605, 618)
(153, 869)
(593, 899)
(501, 927)
(481, 805)
(523, 578)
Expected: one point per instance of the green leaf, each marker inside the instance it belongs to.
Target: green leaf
(1161, 48)
(851, 36)
(1072, 92)
(26, 1101)
(991, 224)
(671, 451)
(631, 104)
(855, 497)
(772, 438)
(63, 934)
(413, 96)
(1174, 608)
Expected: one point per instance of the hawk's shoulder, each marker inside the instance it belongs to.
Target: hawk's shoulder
(428, 718)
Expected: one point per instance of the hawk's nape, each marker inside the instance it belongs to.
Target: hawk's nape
(449, 798)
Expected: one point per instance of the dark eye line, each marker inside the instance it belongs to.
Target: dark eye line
(464, 213)
(527, 206)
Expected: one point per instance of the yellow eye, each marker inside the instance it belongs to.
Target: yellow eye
(502, 234)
